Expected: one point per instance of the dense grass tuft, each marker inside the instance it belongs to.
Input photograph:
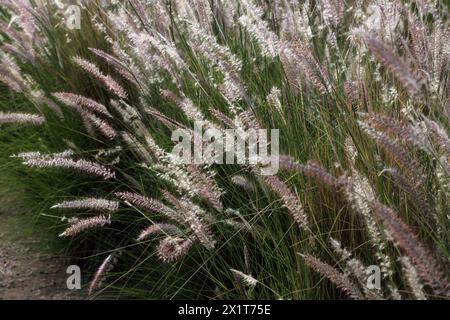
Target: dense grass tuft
(358, 90)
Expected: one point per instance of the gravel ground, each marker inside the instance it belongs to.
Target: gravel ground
(26, 273)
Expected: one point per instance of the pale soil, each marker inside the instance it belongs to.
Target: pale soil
(26, 271)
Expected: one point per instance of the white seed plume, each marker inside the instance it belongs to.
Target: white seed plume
(245, 278)
(259, 30)
(104, 127)
(107, 80)
(88, 167)
(76, 101)
(273, 98)
(165, 228)
(106, 266)
(88, 203)
(86, 224)
(412, 278)
(171, 248)
(21, 118)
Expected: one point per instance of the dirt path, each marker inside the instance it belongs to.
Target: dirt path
(26, 271)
